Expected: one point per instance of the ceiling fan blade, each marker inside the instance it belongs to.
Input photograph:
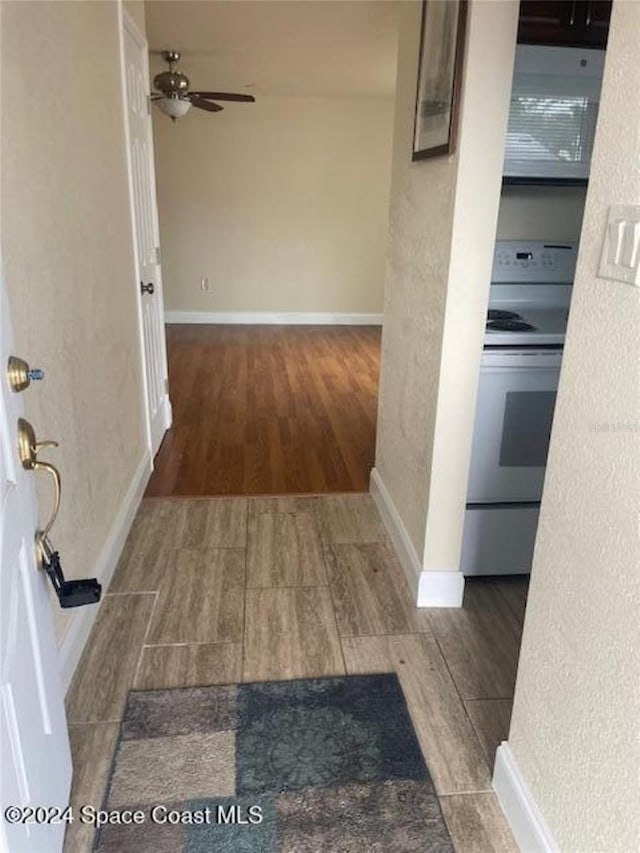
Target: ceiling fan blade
(225, 96)
(204, 105)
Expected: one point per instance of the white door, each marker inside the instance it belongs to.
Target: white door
(135, 62)
(35, 760)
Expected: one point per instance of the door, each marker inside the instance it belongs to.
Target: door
(35, 760)
(135, 69)
(514, 414)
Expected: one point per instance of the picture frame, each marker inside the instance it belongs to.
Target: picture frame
(442, 46)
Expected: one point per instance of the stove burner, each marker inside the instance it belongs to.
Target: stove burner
(510, 326)
(496, 314)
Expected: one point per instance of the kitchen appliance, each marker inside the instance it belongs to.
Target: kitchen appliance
(526, 322)
(553, 113)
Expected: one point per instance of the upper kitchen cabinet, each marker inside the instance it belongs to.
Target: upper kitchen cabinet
(570, 23)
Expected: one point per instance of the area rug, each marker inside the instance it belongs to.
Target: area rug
(326, 764)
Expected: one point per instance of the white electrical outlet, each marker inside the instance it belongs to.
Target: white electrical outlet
(204, 283)
(620, 258)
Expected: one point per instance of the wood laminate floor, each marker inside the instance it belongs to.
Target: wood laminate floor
(249, 589)
(264, 410)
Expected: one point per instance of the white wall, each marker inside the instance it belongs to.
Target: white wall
(443, 225)
(282, 204)
(575, 727)
(66, 238)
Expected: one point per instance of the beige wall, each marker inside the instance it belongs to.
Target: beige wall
(443, 221)
(282, 204)
(541, 213)
(421, 212)
(575, 727)
(66, 240)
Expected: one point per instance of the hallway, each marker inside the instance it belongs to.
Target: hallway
(269, 410)
(237, 589)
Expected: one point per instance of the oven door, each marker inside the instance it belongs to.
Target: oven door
(514, 413)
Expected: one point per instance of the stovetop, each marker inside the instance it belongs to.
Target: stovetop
(526, 325)
(530, 293)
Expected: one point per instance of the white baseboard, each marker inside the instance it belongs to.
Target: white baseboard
(430, 589)
(440, 589)
(272, 318)
(529, 827)
(168, 411)
(403, 546)
(75, 638)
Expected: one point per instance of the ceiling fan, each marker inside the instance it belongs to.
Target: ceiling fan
(174, 98)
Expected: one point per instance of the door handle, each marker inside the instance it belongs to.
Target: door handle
(28, 449)
(71, 593)
(20, 375)
(147, 288)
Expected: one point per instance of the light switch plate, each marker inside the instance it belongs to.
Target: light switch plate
(620, 258)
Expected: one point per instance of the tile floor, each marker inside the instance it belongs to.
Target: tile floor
(213, 591)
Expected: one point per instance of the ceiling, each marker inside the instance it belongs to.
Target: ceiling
(327, 48)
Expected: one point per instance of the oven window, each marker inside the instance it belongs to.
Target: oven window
(526, 428)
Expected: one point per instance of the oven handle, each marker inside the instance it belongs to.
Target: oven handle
(515, 360)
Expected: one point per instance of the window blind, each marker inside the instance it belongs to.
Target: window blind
(550, 135)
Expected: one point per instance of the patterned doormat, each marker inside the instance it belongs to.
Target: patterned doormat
(327, 764)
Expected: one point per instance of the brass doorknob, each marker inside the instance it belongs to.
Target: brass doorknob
(20, 374)
(28, 449)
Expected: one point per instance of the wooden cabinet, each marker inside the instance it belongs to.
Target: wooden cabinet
(572, 23)
(597, 22)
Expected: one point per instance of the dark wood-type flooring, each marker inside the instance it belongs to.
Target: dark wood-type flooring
(261, 410)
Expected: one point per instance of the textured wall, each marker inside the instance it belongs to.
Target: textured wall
(575, 727)
(66, 239)
(282, 204)
(443, 220)
(421, 214)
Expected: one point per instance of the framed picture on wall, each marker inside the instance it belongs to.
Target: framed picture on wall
(439, 77)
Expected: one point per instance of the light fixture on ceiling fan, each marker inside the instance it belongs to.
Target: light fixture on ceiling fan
(174, 98)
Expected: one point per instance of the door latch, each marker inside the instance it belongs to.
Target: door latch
(73, 593)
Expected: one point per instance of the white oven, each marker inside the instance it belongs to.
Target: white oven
(514, 414)
(516, 398)
(526, 323)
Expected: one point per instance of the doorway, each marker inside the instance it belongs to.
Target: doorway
(264, 410)
(273, 223)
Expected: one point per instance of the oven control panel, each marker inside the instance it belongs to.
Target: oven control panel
(534, 261)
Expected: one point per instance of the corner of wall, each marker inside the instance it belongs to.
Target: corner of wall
(430, 589)
(443, 224)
